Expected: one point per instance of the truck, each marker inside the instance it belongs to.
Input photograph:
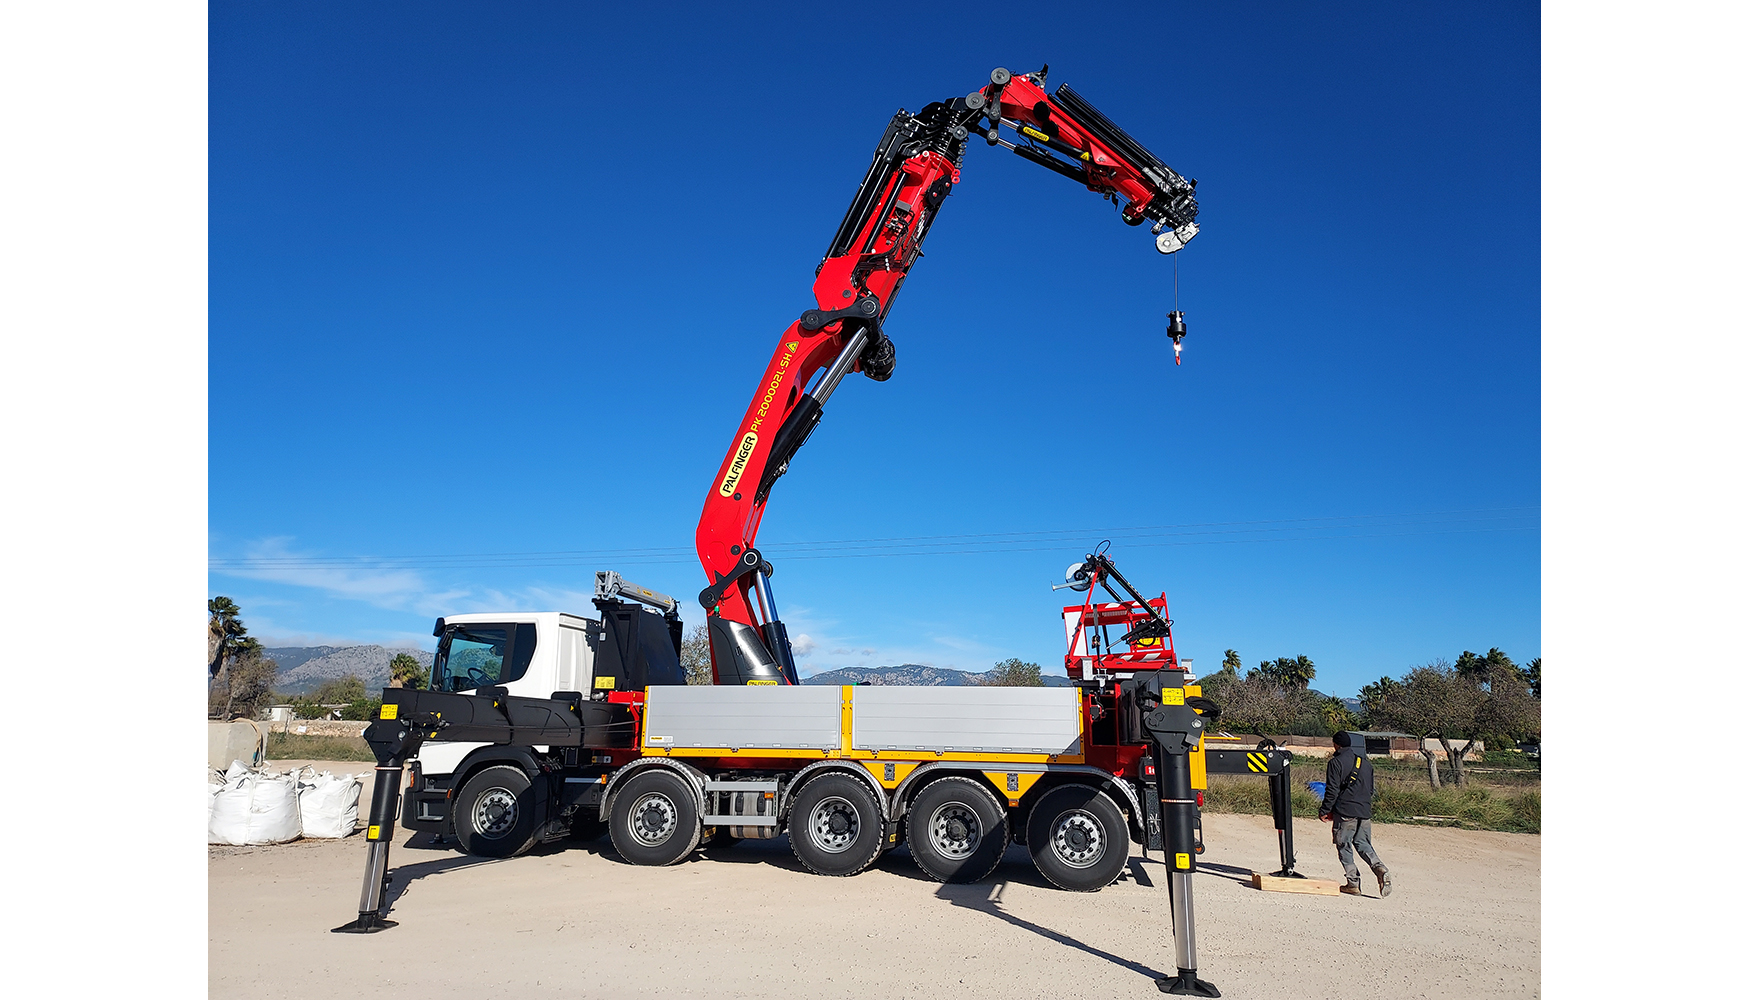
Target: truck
(847, 771)
(539, 726)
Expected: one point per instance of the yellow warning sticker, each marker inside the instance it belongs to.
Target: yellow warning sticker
(1172, 696)
(604, 683)
(1181, 861)
(371, 832)
(757, 683)
(388, 711)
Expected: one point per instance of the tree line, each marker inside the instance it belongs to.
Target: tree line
(1482, 697)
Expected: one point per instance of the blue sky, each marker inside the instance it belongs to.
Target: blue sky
(490, 281)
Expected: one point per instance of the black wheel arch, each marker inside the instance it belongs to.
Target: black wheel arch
(493, 756)
(951, 770)
(1120, 793)
(1125, 797)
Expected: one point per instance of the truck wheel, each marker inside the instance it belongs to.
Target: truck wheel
(495, 813)
(1078, 838)
(957, 830)
(655, 818)
(836, 825)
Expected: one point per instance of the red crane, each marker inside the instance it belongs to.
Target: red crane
(914, 169)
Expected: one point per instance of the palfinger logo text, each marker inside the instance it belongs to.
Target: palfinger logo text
(749, 440)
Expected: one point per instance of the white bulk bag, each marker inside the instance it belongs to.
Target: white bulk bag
(254, 807)
(329, 804)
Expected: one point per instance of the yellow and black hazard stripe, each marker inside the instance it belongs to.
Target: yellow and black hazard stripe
(1258, 763)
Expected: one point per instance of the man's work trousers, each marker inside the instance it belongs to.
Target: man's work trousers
(1351, 835)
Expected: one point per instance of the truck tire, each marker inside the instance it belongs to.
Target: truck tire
(836, 825)
(957, 830)
(1078, 838)
(655, 818)
(495, 813)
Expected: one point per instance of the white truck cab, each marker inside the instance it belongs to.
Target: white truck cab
(532, 654)
(633, 641)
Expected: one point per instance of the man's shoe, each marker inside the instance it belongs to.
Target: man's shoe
(1353, 889)
(1384, 884)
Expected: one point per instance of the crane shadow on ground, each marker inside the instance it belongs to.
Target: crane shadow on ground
(402, 877)
(985, 896)
(774, 852)
(988, 899)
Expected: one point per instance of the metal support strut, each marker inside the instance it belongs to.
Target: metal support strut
(1282, 812)
(1174, 729)
(379, 831)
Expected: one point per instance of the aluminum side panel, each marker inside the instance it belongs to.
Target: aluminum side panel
(966, 719)
(771, 716)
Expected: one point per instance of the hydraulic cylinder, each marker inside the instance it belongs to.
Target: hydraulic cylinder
(379, 831)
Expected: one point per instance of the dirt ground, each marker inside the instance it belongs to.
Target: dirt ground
(572, 920)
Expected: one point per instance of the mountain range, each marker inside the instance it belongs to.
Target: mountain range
(914, 674)
(302, 669)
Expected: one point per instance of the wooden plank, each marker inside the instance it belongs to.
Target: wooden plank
(1313, 886)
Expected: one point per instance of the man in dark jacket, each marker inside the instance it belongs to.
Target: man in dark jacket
(1348, 807)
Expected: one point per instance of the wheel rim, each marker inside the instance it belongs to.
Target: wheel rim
(955, 830)
(833, 825)
(495, 813)
(1077, 839)
(654, 819)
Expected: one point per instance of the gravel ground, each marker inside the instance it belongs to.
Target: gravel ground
(572, 920)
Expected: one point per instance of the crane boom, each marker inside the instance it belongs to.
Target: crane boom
(914, 169)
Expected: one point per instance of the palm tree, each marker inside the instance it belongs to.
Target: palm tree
(1374, 696)
(1295, 673)
(1481, 671)
(1302, 672)
(405, 672)
(226, 634)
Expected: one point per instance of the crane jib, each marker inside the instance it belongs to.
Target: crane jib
(913, 170)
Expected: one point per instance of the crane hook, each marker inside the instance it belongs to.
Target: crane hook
(1176, 330)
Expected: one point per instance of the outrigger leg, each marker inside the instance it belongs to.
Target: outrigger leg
(410, 717)
(1174, 729)
(380, 828)
(1282, 811)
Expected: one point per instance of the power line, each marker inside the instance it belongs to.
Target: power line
(971, 543)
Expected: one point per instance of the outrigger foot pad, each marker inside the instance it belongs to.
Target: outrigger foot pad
(367, 923)
(1287, 873)
(1186, 984)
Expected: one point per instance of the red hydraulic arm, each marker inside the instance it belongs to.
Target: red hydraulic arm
(913, 171)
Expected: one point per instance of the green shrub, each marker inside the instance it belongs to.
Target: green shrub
(362, 709)
(1509, 758)
(1395, 799)
(297, 746)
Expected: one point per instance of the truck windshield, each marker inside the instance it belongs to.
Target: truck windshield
(473, 656)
